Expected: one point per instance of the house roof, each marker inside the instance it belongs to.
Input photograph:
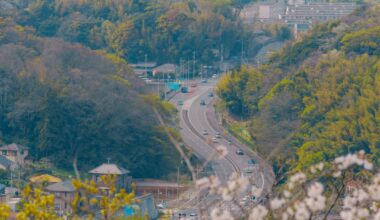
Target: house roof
(165, 68)
(109, 169)
(5, 161)
(45, 178)
(2, 187)
(13, 147)
(143, 65)
(156, 183)
(65, 186)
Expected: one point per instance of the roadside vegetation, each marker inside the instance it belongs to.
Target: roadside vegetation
(317, 98)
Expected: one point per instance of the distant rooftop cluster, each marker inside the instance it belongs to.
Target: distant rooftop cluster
(297, 14)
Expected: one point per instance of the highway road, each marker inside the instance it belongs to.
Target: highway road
(194, 119)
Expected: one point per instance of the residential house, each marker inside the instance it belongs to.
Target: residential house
(167, 68)
(44, 179)
(143, 69)
(146, 207)
(15, 152)
(63, 196)
(5, 163)
(123, 179)
(2, 193)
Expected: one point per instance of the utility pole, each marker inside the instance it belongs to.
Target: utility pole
(242, 52)
(146, 71)
(221, 56)
(201, 69)
(177, 183)
(188, 72)
(193, 64)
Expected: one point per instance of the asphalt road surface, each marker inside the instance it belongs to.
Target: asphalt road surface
(194, 121)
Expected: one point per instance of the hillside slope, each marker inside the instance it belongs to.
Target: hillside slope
(63, 100)
(316, 99)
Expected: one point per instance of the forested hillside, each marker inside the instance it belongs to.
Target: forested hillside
(163, 30)
(63, 100)
(316, 99)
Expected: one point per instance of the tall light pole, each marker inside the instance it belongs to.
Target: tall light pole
(193, 64)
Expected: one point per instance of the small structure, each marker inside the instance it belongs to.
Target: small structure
(2, 193)
(5, 163)
(148, 206)
(143, 69)
(63, 196)
(303, 16)
(161, 190)
(123, 180)
(44, 179)
(15, 152)
(167, 68)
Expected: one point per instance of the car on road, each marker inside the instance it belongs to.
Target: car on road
(205, 132)
(184, 89)
(215, 140)
(203, 102)
(211, 94)
(214, 76)
(204, 80)
(239, 152)
(248, 170)
(180, 102)
(194, 85)
(218, 135)
(251, 162)
(193, 214)
(182, 215)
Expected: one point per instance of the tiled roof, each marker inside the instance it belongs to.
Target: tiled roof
(14, 147)
(45, 178)
(65, 186)
(156, 183)
(165, 68)
(5, 161)
(109, 169)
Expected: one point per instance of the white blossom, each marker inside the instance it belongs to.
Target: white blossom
(258, 213)
(256, 191)
(218, 214)
(377, 216)
(203, 183)
(315, 189)
(317, 203)
(222, 151)
(286, 193)
(277, 203)
(345, 162)
(302, 213)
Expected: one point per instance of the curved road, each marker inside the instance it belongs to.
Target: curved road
(194, 118)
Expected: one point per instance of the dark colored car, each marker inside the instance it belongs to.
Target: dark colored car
(251, 162)
(203, 102)
(239, 152)
(211, 94)
(184, 89)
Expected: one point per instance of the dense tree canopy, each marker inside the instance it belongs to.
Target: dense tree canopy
(163, 30)
(318, 98)
(63, 100)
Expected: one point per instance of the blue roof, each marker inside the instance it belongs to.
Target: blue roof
(2, 187)
(5, 161)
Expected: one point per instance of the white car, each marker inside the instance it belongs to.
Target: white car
(204, 132)
(215, 140)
